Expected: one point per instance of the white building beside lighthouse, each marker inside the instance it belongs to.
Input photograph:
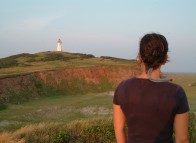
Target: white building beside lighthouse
(59, 45)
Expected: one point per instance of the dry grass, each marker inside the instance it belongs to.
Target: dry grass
(9, 138)
(47, 132)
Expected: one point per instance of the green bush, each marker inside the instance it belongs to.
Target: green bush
(61, 137)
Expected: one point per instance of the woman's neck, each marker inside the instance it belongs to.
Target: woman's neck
(156, 74)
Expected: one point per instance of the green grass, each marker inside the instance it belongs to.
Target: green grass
(55, 108)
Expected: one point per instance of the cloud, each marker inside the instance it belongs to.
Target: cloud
(38, 23)
(28, 26)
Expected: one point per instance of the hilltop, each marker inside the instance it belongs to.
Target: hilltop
(26, 63)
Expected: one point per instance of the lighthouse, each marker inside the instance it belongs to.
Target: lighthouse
(59, 45)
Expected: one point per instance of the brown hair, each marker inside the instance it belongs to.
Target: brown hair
(153, 50)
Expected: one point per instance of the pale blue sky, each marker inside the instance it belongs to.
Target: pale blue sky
(99, 27)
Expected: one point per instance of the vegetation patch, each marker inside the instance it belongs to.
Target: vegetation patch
(3, 106)
(81, 86)
(95, 130)
(84, 56)
(7, 62)
(115, 59)
(81, 131)
(56, 56)
(14, 61)
(36, 89)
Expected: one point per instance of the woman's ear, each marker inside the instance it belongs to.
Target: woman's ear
(166, 60)
(138, 58)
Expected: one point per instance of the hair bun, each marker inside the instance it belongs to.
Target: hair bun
(153, 50)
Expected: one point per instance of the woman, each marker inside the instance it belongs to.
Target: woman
(149, 105)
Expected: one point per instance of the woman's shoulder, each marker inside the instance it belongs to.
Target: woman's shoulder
(174, 85)
(130, 80)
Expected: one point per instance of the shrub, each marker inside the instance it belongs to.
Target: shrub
(61, 137)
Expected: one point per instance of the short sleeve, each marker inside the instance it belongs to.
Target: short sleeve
(118, 93)
(182, 103)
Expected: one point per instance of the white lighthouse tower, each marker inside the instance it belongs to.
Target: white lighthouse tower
(59, 45)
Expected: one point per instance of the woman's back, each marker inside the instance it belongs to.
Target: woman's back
(150, 108)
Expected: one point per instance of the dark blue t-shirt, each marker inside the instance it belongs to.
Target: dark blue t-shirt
(150, 108)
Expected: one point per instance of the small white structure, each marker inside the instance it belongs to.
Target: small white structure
(59, 45)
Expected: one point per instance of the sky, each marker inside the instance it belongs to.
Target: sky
(99, 27)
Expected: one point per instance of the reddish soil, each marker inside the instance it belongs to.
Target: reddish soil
(94, 74)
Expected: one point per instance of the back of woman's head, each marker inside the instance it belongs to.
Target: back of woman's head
(153, 50)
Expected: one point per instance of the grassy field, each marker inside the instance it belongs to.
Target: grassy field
(56, 109)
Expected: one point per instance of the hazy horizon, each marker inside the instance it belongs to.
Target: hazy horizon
(102, 28)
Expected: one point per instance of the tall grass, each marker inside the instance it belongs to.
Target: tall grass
(91, 131)
(83, 131)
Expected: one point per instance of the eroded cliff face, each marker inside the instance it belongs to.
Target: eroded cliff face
(91, 75)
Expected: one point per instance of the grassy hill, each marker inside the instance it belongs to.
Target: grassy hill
(26, 76)
(28, 63)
